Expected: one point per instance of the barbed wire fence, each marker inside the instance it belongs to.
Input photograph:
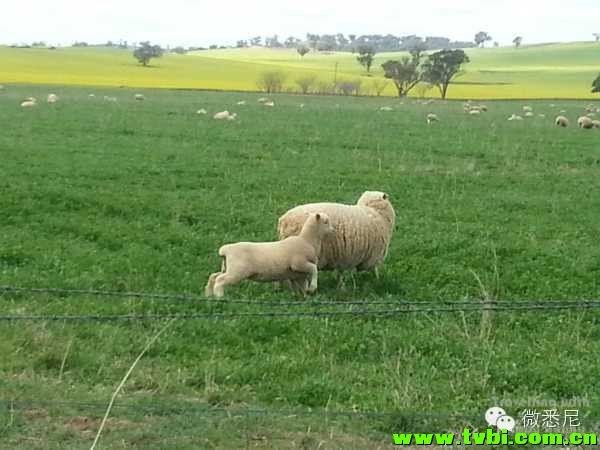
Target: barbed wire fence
(274, 309)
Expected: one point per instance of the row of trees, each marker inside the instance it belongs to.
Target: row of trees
(351, 42)
(435, 70)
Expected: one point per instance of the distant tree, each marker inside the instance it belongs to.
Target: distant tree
(365, 56)
(272, 42)
(213, 47)
(313, 41)
(179, 50)
(496, 44)
(291, 42)
(342, 42)
(405, 73)
(80, 44)
(441, 67)
(255, 41)
(306, 83)
(596, 85)
(303, 50)
(518, 41)
(597, 36)
(348, 87)
(379, 85)
(146, 51)
(271, 81)
(241, 44)
(481, 38)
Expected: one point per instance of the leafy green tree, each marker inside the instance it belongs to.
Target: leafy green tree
(481, 38)
(596, 85)
(365, 56)
(441, 67)
(303, 50)
(146, 51)
(518, 41)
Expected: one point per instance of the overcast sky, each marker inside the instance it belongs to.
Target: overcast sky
(201, 22)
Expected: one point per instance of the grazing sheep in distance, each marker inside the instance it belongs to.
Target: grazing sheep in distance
(241, 102)
(201, 111)
(529, 114)
(270, 103)
(542, 116)
(386, 108)
(483, 108)
(527, 109)
(515, 117)
(363, 231)
(292, 259)
(301, 105)
(29, 103)
(585, 122)
(92, 95)
(561, 121)
(474, 112)
(139, 97)
(596, 123)
(52, 98)
(262, 100)
(432, 118)
(224, 115)
(110, 99)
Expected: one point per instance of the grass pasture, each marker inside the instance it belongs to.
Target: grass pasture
(138, 196)
(538, 71)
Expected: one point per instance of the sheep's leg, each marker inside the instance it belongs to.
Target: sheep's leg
(340, 280)
(376, 273)
(209, 289)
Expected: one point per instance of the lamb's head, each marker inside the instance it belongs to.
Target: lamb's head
(319, 222)
(380, 202)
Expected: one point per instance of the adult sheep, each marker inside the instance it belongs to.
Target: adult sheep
(362, 231)
(585, 122)
(561, 121)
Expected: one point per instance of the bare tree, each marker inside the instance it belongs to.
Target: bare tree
(379, 85)
(306, 83)
(270, 82)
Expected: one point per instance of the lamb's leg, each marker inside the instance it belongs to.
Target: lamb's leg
(226, 279)
(209, 289)
(308, 268)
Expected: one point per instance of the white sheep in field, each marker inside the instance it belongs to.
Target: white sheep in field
(110, 99)
(241, 102)
(527, 109)
(474, 112)
(483, 108)
(561, 121)
(542, 116)
(591, 114)
(225, 115)
(52, 98)
(263, 100)
(301, 105)
(139, 97)
(29, 103)
(432, 118)
(585, 122)
(292, 259)
(515, 117)
(92, 95)
(386, 108)
(270, 103)
(529, 114)
(596, 123)
(201, 111)
(362, 231)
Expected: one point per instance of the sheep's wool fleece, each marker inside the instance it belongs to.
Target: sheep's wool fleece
(362, 232)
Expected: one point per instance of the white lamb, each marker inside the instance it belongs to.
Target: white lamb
(527, 109)
(241, 102)
(561, 121)
(585, 122)
(52, 98)
(529, 114)
(292, 259)
(515, 117)
(262, 100)
(139, 97)
(386, 108)
(596, 123)
(270, 103)
(201, 111)
(28, 103)
(362, 231)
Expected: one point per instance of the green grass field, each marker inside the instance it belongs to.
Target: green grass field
(138, 196)
(540, 71)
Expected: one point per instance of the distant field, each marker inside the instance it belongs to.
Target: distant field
(138, 196)
(540, 71)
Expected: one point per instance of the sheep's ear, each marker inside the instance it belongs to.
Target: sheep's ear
(385, 196)
(318, 216)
